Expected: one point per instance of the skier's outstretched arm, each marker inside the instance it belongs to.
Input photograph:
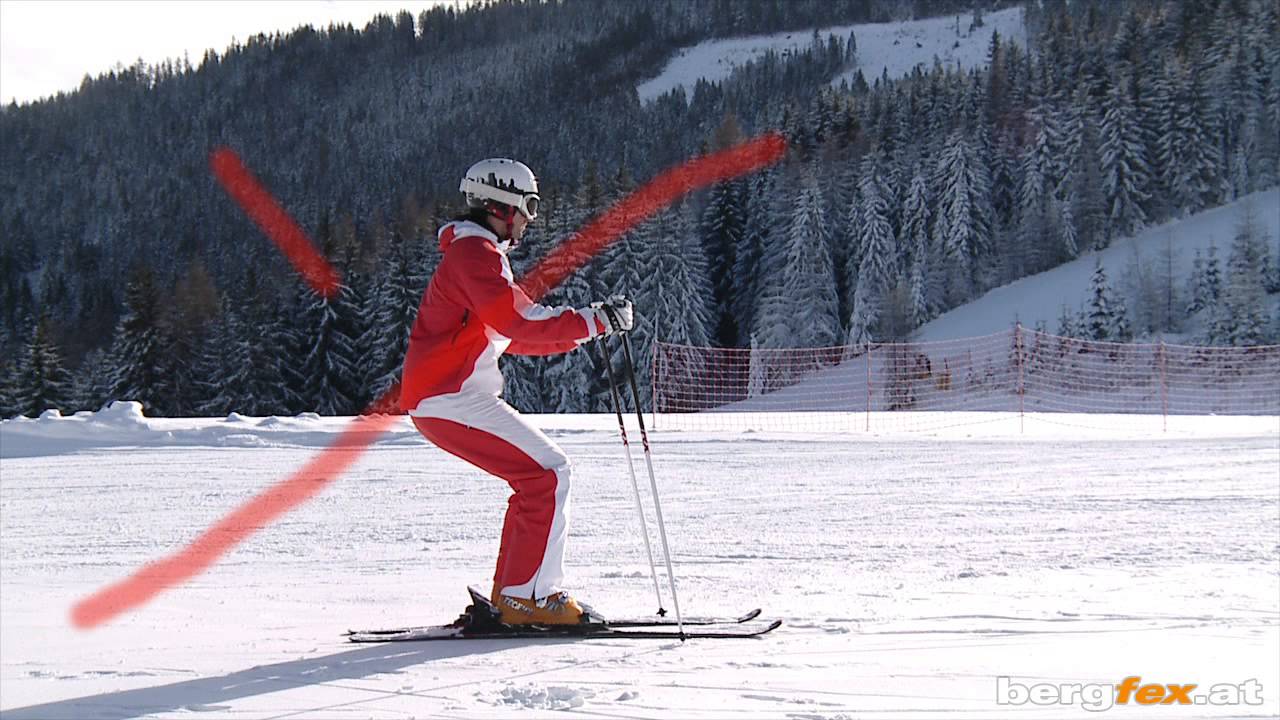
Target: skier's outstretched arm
(503, 305)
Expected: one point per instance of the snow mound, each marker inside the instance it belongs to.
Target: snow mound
(552, 697)
(122, 412)
(893, 48)
(124, 424)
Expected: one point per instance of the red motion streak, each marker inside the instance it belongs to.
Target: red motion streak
(304, 484)
(639, 205)
(278, 225)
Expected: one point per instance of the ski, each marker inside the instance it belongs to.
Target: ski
(696, 622)
(481, 621)
(623, 623)
(584, 631)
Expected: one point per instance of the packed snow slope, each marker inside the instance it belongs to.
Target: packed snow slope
(1040, 298)
(912, 572)
(893, 48)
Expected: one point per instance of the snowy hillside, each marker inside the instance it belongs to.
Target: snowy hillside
(911, 572)
(1040, 298)
(894, 48)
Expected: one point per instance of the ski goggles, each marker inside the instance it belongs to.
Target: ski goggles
(528, 205)
(526, 202)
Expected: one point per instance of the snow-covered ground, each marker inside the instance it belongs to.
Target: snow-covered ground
(896, 48)
(1041, 297)
(912, 570)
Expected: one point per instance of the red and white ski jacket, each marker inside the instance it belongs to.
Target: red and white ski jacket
(473, 312)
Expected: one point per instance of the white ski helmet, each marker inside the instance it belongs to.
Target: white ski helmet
(503, 181)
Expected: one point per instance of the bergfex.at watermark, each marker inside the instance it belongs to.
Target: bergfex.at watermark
(1133, 690)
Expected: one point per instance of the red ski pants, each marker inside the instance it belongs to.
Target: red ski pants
(488, 433)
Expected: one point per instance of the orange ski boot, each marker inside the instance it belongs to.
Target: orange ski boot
(555, 609)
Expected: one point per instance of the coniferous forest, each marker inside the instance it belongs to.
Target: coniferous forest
(127, 273)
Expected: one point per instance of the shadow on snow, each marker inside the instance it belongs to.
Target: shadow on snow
(207, 693)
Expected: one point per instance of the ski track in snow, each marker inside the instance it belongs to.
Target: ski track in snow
(911, 571)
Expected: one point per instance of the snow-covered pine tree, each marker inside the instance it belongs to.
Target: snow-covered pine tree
(878, 266)
(1044, 160)
(918, 308)
(1081, 188)
(809, 287)
(139, 347)
(1238, 172)
(570, 377)
(1272, 270)
(92, 381)
(1188, 146)
(1004, 199)
(1069, 246)
(1035, 248)
(10, 355)
(847, 249)
(916, 213)
(773, 318)
(1197, 286)
(1121, 331)
(747, 259)
(1125, 172)
(267, 319)
(193, 309)
(1245, 319)
(222, 364)
(1166, 316)
(1068, 324)
(1212, 275)
(328, 355)
(354, 312)
(678, 284)
(375, 345)
(1104, 311)
(617, 270)
(722, 229)
(1265, 127)
(964, 216)
(43, 380)
(1158, 119)
(621, 269)
(878, 248)
(914, 239)
(677, 289)
(393, 308)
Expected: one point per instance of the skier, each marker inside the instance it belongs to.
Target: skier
(451, 382)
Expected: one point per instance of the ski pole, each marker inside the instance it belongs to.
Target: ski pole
(635, 484)
(653, 482)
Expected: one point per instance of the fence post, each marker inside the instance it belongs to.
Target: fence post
(1164, 388)
(653, 384)
(868, 354)
(1017, 348)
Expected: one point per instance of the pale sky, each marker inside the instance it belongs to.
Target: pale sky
(48, 46)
